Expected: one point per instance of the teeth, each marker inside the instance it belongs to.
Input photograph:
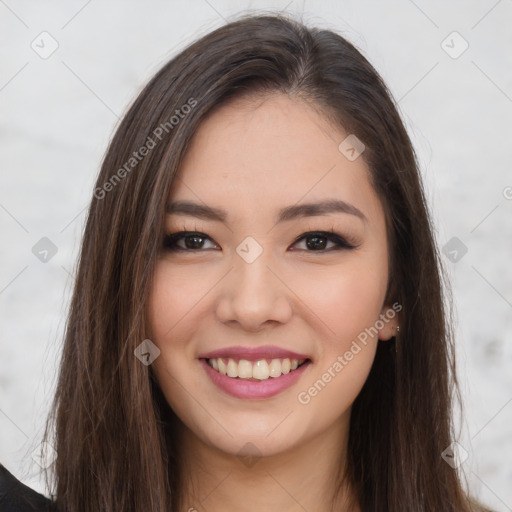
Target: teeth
(274, 368)
(232, 369)
(222, 366)
(261, 370)
(244, 369)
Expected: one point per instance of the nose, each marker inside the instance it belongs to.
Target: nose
(253, 295)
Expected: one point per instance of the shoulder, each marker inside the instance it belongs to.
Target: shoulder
(18, 497)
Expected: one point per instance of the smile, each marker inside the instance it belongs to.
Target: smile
(264, 387)
(260, 370)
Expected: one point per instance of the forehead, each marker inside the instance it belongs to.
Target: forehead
(272, 151)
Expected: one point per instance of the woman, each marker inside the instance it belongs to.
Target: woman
(211, 360)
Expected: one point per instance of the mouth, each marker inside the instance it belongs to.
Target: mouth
(257, 370)
(254, 372)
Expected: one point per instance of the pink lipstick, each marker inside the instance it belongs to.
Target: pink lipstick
(254, 372)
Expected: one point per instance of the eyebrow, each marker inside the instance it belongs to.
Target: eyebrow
(288, 213)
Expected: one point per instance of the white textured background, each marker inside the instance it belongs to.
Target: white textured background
(57, 115)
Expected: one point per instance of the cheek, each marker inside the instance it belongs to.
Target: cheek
(346, 300)
(170, 306)
(346, 303)
(171, 302)
(348, 308)
(174, 298)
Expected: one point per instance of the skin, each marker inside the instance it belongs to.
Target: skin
(251, 157)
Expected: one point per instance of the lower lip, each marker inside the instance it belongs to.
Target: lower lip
(242, 388)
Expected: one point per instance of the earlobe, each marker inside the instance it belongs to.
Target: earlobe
(388, 332)
(388, 324)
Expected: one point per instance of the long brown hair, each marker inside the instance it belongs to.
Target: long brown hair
(115, 435)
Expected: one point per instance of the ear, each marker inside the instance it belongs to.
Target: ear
(387, 323)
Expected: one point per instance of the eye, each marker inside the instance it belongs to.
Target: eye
(315, 241)
(192, 241)
(318, 240)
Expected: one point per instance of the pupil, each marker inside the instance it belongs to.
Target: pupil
(193, 245)
(316, 244)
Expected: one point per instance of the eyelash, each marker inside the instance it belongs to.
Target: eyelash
(171, 239)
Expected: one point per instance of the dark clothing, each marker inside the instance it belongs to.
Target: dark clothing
(18, 497)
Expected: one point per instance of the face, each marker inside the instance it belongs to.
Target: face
(260, 284)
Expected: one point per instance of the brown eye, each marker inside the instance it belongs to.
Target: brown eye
(192, 241)
(318, 240)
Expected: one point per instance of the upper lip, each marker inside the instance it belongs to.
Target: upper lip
(253, 353)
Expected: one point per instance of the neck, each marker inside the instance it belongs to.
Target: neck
(304, 478)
